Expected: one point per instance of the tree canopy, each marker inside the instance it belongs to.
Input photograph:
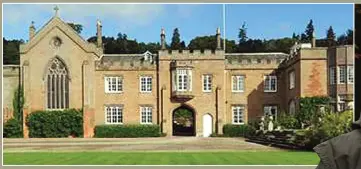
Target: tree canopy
(122, 44)
(77, 27)
(176, 43)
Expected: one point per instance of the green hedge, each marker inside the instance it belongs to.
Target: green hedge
(119, 131)
(231, 130)
(13, 128)
(55, 124)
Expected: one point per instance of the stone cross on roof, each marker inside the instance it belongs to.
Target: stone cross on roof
(56, 9)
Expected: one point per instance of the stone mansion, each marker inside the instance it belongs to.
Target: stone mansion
(60, 70)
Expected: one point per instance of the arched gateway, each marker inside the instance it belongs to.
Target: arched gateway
(184, 121)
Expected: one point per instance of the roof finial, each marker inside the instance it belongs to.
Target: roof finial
(56, 9)
(218, 31)
(162, 32)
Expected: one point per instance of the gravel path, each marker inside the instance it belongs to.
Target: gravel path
(133, 144)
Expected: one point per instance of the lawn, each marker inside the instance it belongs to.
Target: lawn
(161, 158)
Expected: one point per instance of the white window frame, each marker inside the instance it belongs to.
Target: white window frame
(116, 111)
(183, 80)
(292, 79)
(350, 74)
(145, 84)
(109, 84)
(148, 111)
(341, 104)
(267, 110)
(342, 76)
(333, 75)
(268, 84)
(240, 110)
(207, 83)
(238, 83)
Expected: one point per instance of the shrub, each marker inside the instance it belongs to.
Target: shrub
(254, 123)
(332, 125)
(231, 130)
(120, 131)
(55, 124)
(13, 129)
(18, 103)
(288, 121)
(309, 109)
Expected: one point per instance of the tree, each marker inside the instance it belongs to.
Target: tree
(295, 37)
(279, 45)
(77, 27)
(304, 38)
(349, 34)
(176, 42)
(11, 51)
(231, 46)
(242, 34)
(346, 38)
(309, 31)
(330, 36)
(203, 42)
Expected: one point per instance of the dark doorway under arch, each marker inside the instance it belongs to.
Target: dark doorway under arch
(184, 122)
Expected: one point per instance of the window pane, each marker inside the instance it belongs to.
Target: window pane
(49, 92)
(342, 74)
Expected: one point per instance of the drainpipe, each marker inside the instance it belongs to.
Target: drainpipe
(161, 109)
(217, 110)
(157, 81)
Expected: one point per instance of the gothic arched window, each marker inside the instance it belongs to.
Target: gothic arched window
(57, 85)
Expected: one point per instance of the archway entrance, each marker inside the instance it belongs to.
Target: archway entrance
(184, 122)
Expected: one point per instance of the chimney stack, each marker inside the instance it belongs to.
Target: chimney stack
(162, 39)
(31, 30)
(313, 43)
(99, 34)
(218, 36)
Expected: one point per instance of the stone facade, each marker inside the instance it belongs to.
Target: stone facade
(91, 74)
(11, 82)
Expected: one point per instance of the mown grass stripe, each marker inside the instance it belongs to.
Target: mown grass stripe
(162, 158)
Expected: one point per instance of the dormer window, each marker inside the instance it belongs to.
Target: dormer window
(148, 56)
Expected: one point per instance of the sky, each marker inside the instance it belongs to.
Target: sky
(143, 22)
(267, 21)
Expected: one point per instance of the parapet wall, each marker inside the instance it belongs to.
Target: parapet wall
(191, 54)
(123, 62)
(254, 60)
(11, 81)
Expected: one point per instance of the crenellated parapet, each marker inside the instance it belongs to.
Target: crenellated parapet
(254, 60)
(127, 62)
(191, 54)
